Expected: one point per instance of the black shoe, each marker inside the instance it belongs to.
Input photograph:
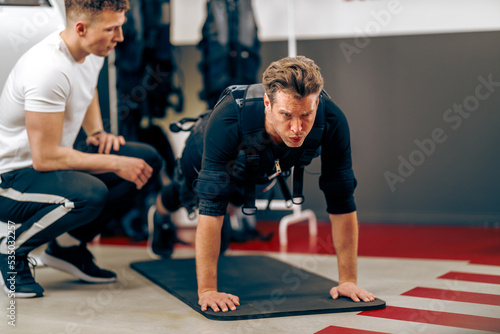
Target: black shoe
(162, 235)
(16, 278)
(77, 261)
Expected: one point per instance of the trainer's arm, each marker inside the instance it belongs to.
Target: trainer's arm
(207, 241)
(45, 133)
(93, 127)
(345, 239)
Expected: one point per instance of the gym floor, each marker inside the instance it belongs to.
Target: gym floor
(434, 279)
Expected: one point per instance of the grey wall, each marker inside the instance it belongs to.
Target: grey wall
(399, 90)
(396, 91)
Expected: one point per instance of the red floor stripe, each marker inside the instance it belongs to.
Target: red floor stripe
(470, 277)
(454, 295)
(437, 318)
(344, 330)
(479, 245)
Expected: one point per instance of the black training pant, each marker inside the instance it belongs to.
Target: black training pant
(48, 204)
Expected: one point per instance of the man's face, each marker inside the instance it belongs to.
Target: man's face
(104, 33)
(289, 119)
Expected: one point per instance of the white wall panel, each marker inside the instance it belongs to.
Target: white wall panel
(321, 19)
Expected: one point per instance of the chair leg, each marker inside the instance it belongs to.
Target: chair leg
(298, 216)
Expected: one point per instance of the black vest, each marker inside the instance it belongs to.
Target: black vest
(251, 119)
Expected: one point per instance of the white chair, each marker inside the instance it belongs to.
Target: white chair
(298, 215)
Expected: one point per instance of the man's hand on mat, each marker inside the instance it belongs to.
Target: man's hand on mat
(217, 301)
(351, 290)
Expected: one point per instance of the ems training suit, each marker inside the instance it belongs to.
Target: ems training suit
(209, 173)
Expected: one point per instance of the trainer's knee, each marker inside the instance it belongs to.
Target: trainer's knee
(94, 194)
(143, 151)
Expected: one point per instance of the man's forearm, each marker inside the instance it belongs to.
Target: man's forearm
(92, 122)
(207, 252)
(45, 135)
(62, 158)
(345, 239)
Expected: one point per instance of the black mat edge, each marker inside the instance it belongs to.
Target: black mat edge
(226, 316)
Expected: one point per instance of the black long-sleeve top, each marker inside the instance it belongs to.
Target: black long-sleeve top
(212, 159)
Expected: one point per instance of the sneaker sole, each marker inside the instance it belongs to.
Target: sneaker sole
(149, 244)
(67, 267)
(18, 294)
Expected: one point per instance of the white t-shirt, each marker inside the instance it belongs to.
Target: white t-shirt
(45, 79)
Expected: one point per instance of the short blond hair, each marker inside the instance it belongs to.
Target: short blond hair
(299, 76)
(90, 9)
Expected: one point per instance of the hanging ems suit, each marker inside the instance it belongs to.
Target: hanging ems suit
(229, 46)
(145, 68)
(145, 90)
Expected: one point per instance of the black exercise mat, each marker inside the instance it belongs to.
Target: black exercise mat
(266, 287)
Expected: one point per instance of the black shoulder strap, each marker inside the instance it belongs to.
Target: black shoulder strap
(252, 127)
(252, 113)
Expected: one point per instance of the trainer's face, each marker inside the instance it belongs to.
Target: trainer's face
(289, 119)
(104, 33)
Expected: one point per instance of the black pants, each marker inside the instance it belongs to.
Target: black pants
(48, 204)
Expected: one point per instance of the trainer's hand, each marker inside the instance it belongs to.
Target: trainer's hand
(106, 142)
(351, 290)
(134, 170)
(218, 301)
